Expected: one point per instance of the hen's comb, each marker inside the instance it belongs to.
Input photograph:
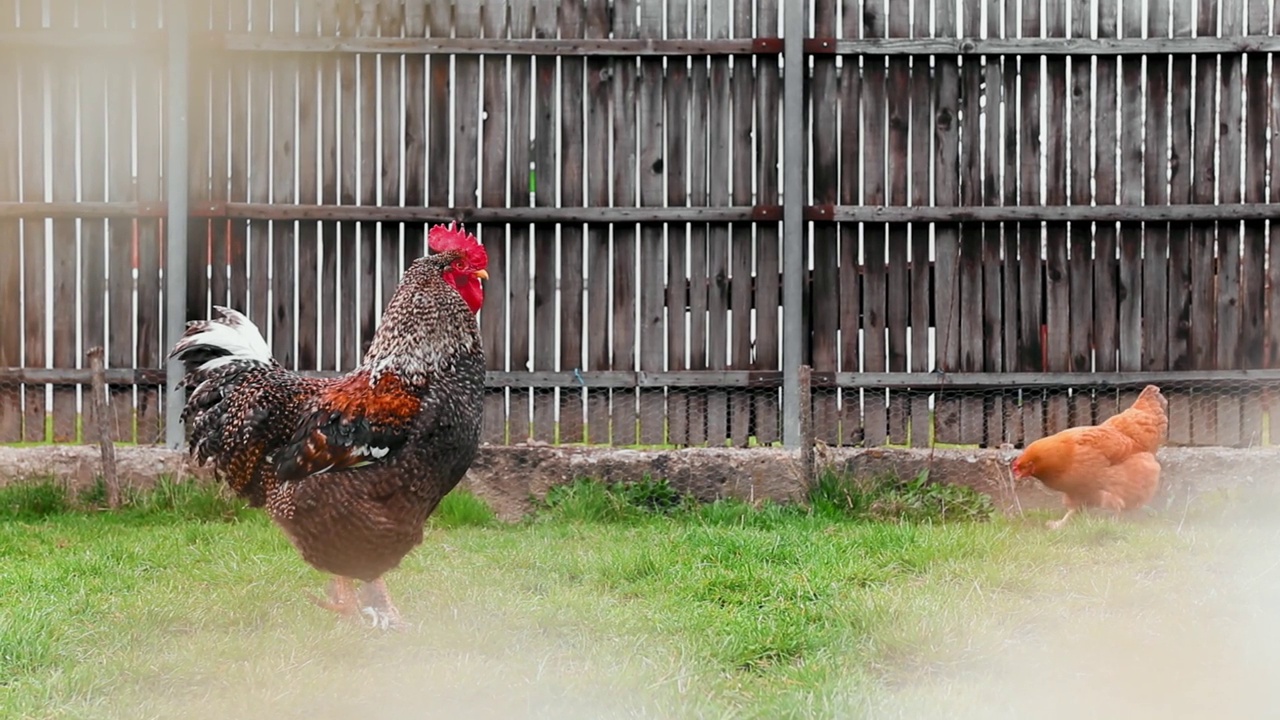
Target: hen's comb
(442, 238)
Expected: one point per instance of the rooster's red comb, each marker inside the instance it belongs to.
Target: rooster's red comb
(442, 238)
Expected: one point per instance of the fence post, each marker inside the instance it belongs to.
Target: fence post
(793, 231)
(98, 384)
(175, 270)
(807, 442)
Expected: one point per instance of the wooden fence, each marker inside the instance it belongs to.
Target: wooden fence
(992, 197)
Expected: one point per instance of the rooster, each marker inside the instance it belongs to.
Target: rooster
(350, 467)
(1112, 465)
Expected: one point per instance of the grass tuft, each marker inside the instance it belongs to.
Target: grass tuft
(461, 509)
(888, 498)
(33, 501)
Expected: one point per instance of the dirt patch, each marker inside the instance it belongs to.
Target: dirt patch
(513, 478)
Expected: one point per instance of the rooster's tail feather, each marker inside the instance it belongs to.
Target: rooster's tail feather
(232, 337)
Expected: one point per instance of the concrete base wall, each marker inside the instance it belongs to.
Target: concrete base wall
(512, 479)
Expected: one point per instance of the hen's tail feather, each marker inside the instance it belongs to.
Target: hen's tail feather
(229, 338)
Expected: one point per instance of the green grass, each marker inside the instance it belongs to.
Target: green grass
(613, 601)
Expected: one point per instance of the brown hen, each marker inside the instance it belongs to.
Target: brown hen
(350, 467)
(1111, 465)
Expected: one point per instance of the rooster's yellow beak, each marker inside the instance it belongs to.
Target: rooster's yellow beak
(482, 274)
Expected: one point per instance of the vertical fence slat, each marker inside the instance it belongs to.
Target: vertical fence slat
(368, 302)
(718, 270)
(119, 296)
(307, 286)
(1204, 307)
(390, 91)
(1058, 284)
(1254, 246)
(1155, 243)
(1229, 292)
(572, 257)
(1131, 192)
(827, 295)
(150, 158)
(1273, 264)
(342, 17)
(1106, 300)
(699, 278)
(546, 180)
(31, 100)
(497, 297)
(11, 306)
(742, 251)
(993, 264)
(63, 77)
(1080, 264)
(947, 291)
(651, 166)
(219, 99)
(599, 93)
(284, 125)
(238, 163)
(259, 169)
(92, 164)
(1013, 402)
(964, 314)
(897, 313)
(330, 300)
(875, 290)
(676, 162)
(768, 251)
(521, 238)
(1180, 173)
(1030, 259)
(850, 262)
(415, 128)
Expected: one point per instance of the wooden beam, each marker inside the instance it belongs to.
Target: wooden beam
(248, 42)
(1045, 213)
(25, 41)
(1082, 47)
(1014, 380)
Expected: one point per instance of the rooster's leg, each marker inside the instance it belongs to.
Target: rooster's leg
(377, 606)
(1057, 524)
(341, 598)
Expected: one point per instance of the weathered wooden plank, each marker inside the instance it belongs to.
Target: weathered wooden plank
(518, 178)
(652, 265)
(1229, 292)
(1180, 173)
(63, 78)
(1204, 308)
(11, 306)
(742, 250)
(152, 343)
(546, 164)
(1080, 234)
(920, 129)
(368, 306)
(120, 238)
(343, 17)
(875, 280)
(237, 81)
(307, 279)
(599, 91)
(260, 150)
(949, 421)
(699, 280)
(1131, 193)
(850, 262)
(415, 127)
(527, 47)
(718, 269)
(219, 98)
(493, 191)
(1155, 251)
(677, 191)
(1057, 282)
(965, 305)
(284, 183)
(31, 102)
(1253, 249)
(1273, 265)
(1106, 300)
(1030, 259)
(1010, 231)
(897, 309)
(1038, 46)
(572, 251)
(768, 249)
(389, 91)
(993, 264)
(827, 294)
(330, 299)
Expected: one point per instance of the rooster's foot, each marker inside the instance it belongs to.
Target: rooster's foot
(1057, 524)
(341, 598)
(378, 608)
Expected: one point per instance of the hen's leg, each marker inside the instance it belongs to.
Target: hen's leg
(376, 605)
(341, 598)
(1057, 524)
